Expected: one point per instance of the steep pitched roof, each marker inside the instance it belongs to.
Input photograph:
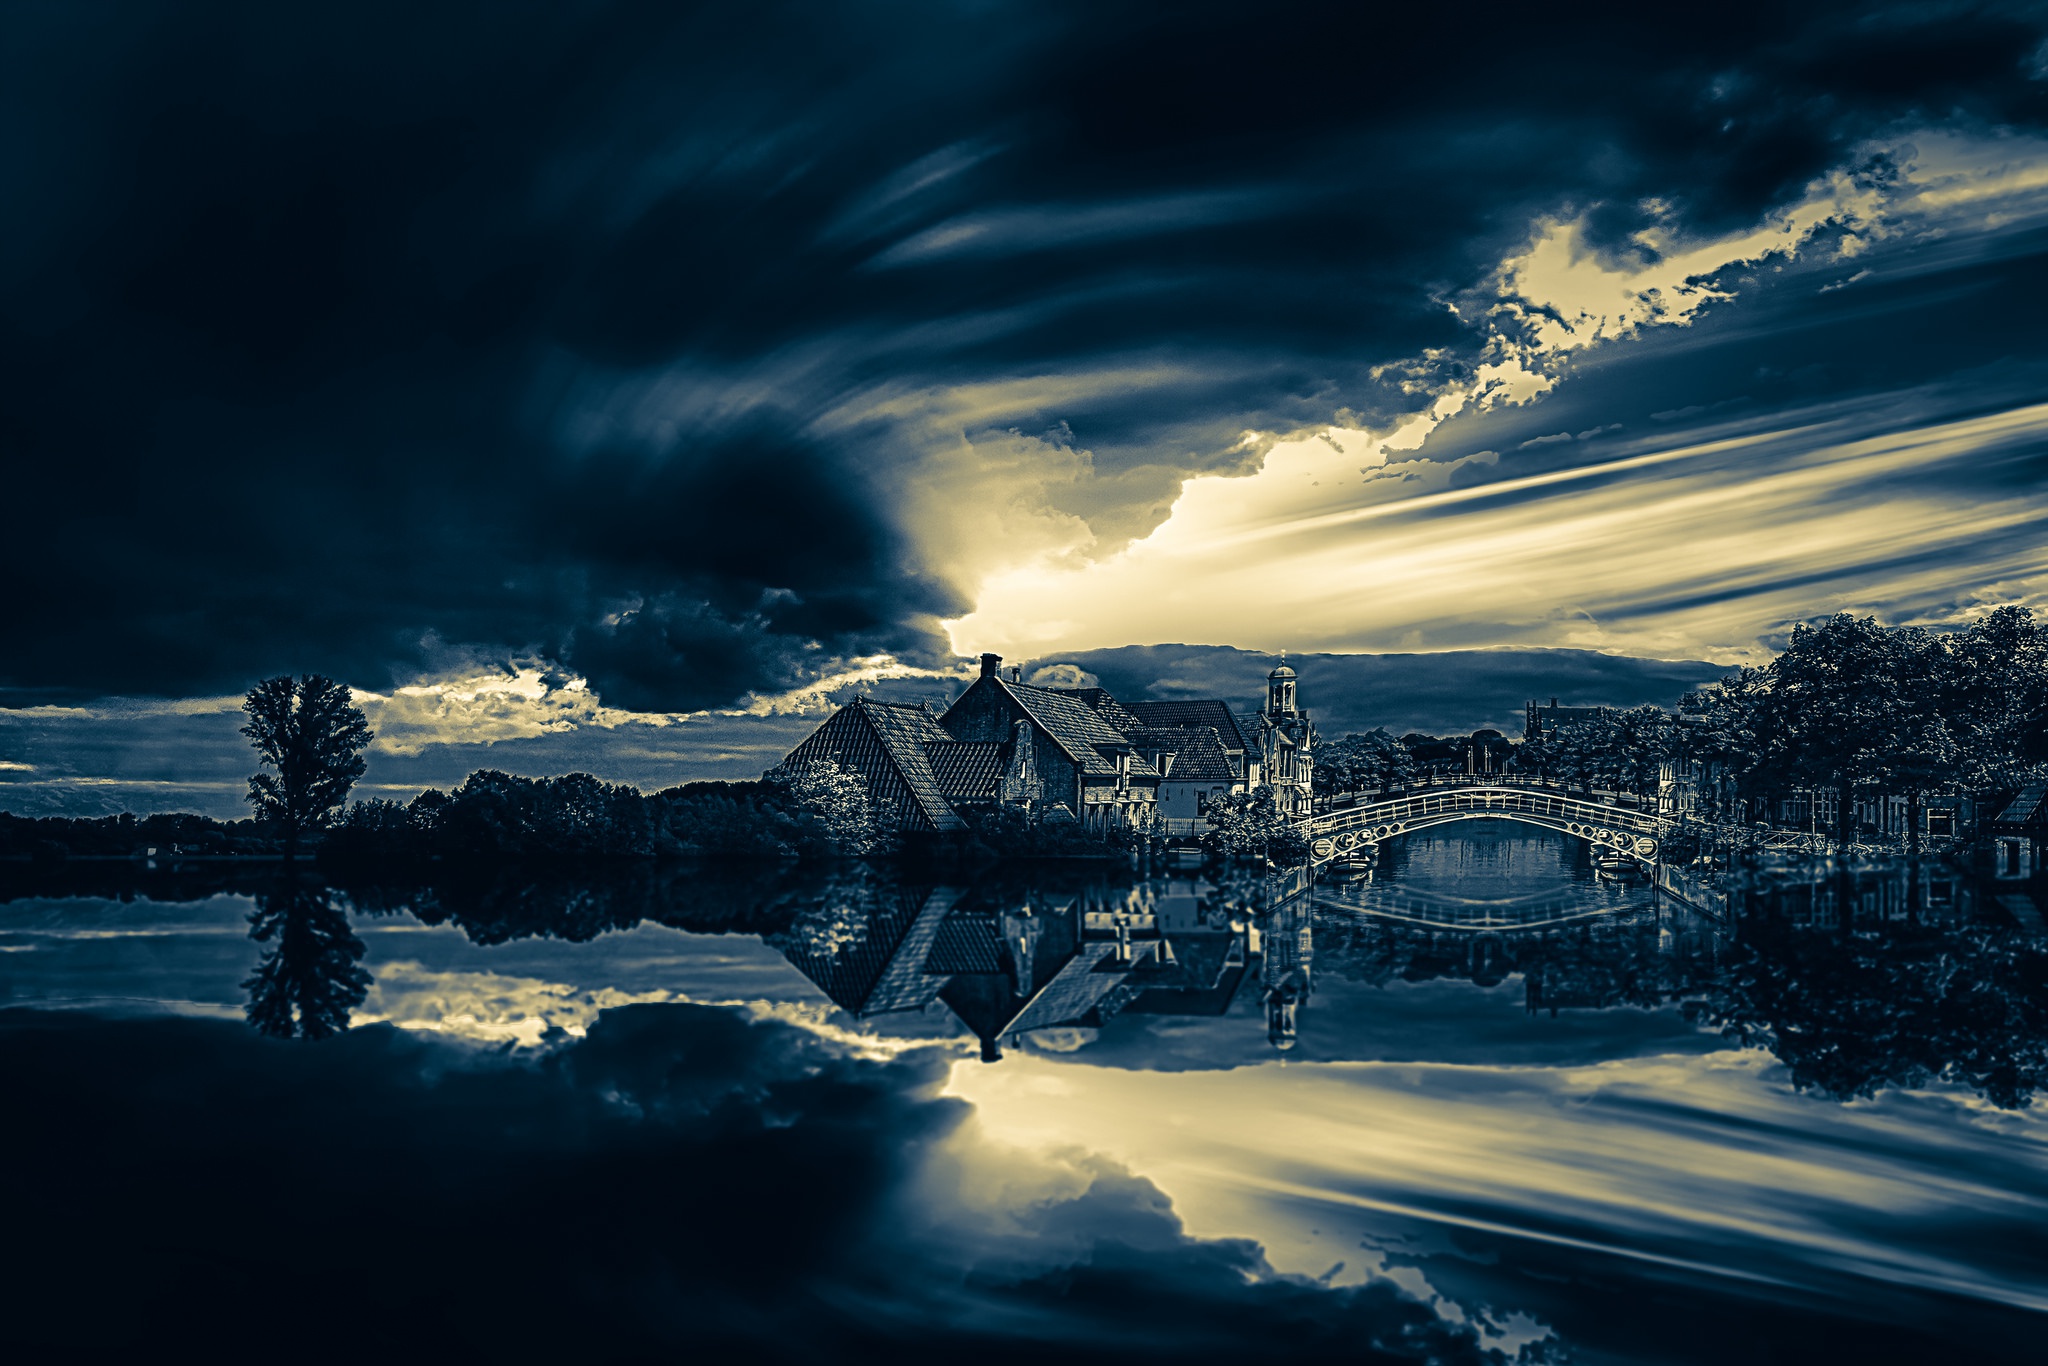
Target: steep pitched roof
(1206, 712)
(884, 970)
(966, 770)
(2026, 807)
(1073, 725)
(1106, 706)
(1198, 751)
(884, 743)
(1078, 989)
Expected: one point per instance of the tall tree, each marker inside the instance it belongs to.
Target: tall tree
(311, 735)
(1995, 692)
(1837, 688)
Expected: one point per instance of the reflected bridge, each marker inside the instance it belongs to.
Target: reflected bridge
(1334, 834)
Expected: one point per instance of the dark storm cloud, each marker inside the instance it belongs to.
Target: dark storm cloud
(679, 1178)
(346, 340)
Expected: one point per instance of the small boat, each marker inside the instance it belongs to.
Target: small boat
(1348, 869)
(1617, 867)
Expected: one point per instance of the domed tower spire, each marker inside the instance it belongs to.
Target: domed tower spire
(1280, 689)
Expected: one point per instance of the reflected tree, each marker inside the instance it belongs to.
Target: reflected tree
(1852, 1010)
(311, 978)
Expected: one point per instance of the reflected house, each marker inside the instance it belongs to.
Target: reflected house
(2018, 834)
(1030, 963)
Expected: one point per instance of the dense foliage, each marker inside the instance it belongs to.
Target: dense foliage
(1362, 763)
(1249, 825)
(1620, 751)
(1857, 708)
(310, 735)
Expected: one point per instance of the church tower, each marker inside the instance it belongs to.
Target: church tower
(1280, 691)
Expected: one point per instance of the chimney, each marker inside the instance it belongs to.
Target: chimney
(990, 664)
(1553, 704)
(1016, 673)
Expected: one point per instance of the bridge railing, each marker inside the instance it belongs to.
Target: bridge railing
(1548, 806)
(1436, 781)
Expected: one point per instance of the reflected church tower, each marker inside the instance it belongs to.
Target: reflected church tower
(1286, 966)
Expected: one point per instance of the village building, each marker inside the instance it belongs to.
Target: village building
(889, 744)
(1284, 739)
(1075, 753)
(1543, 723)
(1194, 769)
(2019, 834)
(1063, 751)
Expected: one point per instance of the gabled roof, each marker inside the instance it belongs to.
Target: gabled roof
(1073, 725)
(883, 971)
(966, 942)
(1078, 989)
(1104, 705)
(1206, 712)
(966, 770)
(884, 743)
(2026, 807)
(1198, 751)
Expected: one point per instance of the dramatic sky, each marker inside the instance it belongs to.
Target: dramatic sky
(637, 374)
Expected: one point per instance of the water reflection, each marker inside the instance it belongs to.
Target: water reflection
(1529, 1119)
(1857, 980)
(310, 978)
(1892, 977)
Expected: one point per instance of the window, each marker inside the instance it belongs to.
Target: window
(1941, 822)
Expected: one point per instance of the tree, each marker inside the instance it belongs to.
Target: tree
(836, 797)
(1995, 694)
(308, 730)
(1248, 824)
(1358, 763)
(311, 978)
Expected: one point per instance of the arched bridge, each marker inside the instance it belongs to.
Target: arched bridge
(1336, 833)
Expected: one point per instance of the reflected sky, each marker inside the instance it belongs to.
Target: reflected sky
(1529, 1133)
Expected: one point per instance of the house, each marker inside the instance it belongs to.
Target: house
(1209, 714)
(1063, 751)
(1194, 768)
(2019, 833)
(888, 744)
(1543, 723)
(1150, 766)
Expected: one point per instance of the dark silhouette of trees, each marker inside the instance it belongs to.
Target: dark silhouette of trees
(309, 732)
(1852, 1009)
(1359, 763)
(1621, 751)
(1859, 709)
(311, 979)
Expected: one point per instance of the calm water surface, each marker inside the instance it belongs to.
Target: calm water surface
(1482, 1105)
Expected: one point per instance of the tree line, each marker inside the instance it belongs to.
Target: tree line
(1850, 707)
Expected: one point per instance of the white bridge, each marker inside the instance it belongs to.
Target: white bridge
(1334, 834)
